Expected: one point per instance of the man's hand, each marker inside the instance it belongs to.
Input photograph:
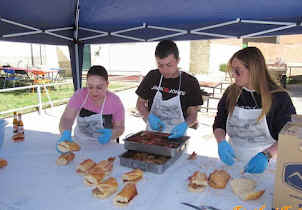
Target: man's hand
(179, 130)
(226, 152)
(155, 123)
(105, 136)
(66, 136)
(257, 164)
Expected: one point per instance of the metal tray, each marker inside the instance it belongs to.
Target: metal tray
(128, 161)
(179, 144)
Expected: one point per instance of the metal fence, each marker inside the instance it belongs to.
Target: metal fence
(39, 89)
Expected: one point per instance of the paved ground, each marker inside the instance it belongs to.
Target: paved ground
(202, 140)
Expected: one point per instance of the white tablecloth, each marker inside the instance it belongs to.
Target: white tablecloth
(33, 181)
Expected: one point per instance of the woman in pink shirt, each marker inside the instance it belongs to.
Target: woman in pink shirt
(100, 113)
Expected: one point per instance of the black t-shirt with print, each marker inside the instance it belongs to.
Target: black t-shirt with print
(189, 90)
(280, 112)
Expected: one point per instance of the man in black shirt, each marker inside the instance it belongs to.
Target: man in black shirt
(169, 99)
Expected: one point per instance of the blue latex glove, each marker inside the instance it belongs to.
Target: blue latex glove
(105, 136)
(66, 136)
(226, 152)
(155, 123)
(257, 164)
(179, 130)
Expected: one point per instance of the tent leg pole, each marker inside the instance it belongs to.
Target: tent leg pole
(77, 65)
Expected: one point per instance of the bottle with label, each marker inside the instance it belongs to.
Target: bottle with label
(15, 127)
(15, 123)
(20, 128)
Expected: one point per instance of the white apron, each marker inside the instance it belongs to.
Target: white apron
(247, 137)
(86, 128)
(169, 111)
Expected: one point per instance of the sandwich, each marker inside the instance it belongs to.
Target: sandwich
(66, 146)
(3, 163)
(105, 188)
(65, 158)
(84, 166)
(105, 165)
(218, 179)
(92, 179)
(133, 176)
(124, 197)
(197, 182)
(245, 189)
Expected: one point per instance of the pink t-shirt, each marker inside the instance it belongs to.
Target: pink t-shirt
(113, 105)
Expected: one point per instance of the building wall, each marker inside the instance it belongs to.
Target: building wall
(127, 58)
(199, 59)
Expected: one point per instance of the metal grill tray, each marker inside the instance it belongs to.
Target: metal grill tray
(126, 160)
(156, 149)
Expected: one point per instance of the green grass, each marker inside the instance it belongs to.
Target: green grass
(22, 98)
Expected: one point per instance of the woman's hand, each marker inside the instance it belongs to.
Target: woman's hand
(66, 136)
(105, 136)
(226, 152)
(257, 164)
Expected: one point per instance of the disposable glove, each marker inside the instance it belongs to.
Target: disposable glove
(179, 130)
(66, 136)
(155, 123)
(105, 136)
(257, 164)
(226, 152)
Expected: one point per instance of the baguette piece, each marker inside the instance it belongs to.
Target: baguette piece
(3, 163)
(106, 188)
(218, 179)
(245, 189)
(197, 182)
(133, 176)
(65, 158)
(84, 166)
(66, 146)
(93, 179)
(124, 197)
(105, 165)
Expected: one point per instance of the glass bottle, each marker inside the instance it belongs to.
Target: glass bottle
(20, 128)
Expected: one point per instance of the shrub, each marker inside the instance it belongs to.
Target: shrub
(222, 67)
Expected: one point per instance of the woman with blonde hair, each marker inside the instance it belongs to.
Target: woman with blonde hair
(252, 111)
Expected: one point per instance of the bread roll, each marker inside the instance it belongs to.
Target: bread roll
(133, 176)
(219, 179)
(65, 158)
(124, 197)
(84, 166)
(197, 182)
(66, 146)
(245, 189)
(105, 165)
(105, 188)
(93, 179)
(3, 163)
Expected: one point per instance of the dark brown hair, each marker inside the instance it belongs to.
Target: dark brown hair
(166, 48)
(98, 71)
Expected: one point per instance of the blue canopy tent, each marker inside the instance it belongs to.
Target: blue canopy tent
(78, 22)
